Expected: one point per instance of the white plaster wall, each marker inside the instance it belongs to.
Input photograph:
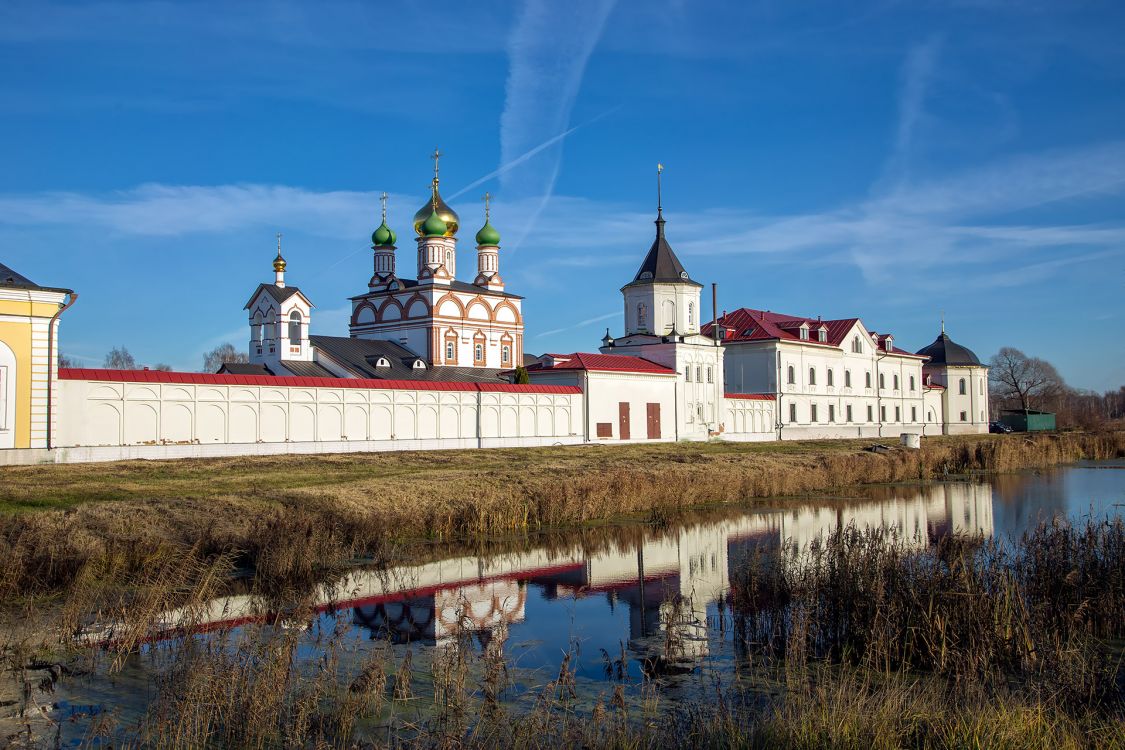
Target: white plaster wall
(97, 413)
(749, 419)
(606, 390)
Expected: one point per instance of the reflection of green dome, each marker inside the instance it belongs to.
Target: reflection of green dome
(433, 226)
(384, 236)
(488, 235)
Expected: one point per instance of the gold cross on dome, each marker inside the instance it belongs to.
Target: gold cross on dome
(487, 200)
(435, 156)
(383, 200)
(279, 244)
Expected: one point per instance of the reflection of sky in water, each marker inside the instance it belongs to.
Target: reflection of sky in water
(560, 600)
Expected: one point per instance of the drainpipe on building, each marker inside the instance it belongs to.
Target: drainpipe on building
(52, 359)
(586, 403)
(777, 402)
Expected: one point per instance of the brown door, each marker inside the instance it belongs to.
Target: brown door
(623, 420)
(654, 421)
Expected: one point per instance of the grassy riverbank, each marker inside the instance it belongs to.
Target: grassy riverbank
(286, 516)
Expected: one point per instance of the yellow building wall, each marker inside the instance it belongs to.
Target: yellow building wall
(18, 337)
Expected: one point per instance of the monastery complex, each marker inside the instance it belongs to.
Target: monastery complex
(432, 357)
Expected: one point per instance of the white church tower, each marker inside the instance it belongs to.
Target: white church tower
(662, 312)
(279, 317)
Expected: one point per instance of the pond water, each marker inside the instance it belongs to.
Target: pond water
(607, 603)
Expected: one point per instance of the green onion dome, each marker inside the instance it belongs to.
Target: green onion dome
(433, 226)
(488, 235)
(384, 236)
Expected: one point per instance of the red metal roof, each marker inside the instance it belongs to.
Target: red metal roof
(601, 363)
(203, 378)
(748, 324)
(751, 396)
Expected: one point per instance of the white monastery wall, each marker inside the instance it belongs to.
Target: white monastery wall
(749, 419)
(167, 420)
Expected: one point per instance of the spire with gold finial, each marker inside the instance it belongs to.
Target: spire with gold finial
(279, 265)
(437, 206)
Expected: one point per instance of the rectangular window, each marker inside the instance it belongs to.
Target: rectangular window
(687, 373)
(898, 414)
(847, 378)
(869, 413)
(848, 412)
(964, 417)
(710, 375)
(793, 413)
(812, 413)
(882, 414)
(831, 413)
(913, 413)
(912, 384)
(699, 373)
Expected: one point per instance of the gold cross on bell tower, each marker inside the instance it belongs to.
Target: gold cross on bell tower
(436, 155)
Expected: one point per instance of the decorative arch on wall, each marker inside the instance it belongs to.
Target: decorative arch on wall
(450, 297)
(506, 305)
(8, 412)
(412, 305)
(364, 313)
(391, 309)
(472, 312)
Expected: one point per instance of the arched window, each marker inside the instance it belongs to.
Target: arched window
(882, 382)
(256, 328)
(295, 328)
(270, 329)
(642, 316)
(912, 384)
(867, 379)
(848, 380)
(830, 377)
(450, 350)
(812, 376)
(961, 387)
(478, 352)
(896, 382)
(792, 375)
(505, 354)
(857, 347)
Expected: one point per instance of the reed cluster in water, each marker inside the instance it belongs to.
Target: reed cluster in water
(287, 519)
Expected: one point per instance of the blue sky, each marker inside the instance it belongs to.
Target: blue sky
(886, 160)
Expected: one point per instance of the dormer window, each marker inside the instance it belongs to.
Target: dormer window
(382, 362)
(822, 335)
(419, 364)
(804, 332)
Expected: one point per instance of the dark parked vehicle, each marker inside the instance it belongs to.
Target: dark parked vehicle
(999, 428)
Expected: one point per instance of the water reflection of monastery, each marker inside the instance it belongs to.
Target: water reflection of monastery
(435, 602)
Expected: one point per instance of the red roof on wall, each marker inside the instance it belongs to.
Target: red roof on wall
(203, 378)
(747, 324)
(601, 363)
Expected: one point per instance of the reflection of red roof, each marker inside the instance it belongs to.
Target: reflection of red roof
(202, 378)
(751, 396)
(600, 362)
(747, 324)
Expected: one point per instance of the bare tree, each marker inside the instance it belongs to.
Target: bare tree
(161, 367)
(66, 362)
(119, 358)
(1023, 380)
(221, 354)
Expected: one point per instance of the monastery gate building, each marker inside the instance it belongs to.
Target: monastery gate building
(431, 362)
